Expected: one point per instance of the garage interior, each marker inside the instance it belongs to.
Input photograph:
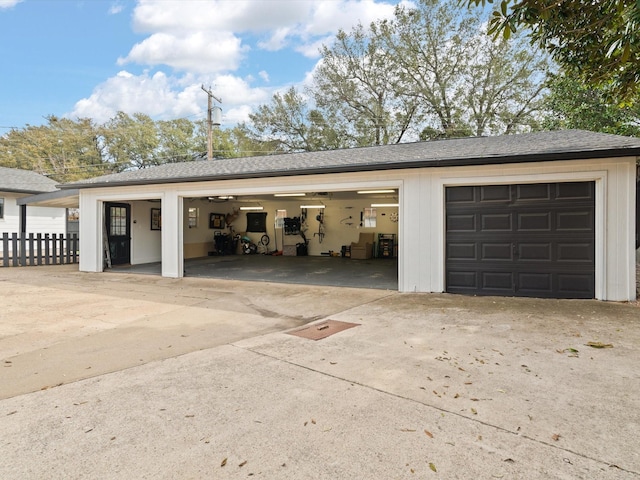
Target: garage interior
(338, 238)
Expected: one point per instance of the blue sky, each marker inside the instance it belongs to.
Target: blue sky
(92, 58)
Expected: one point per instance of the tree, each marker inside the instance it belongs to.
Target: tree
(467, 84)
(63, 149)
(572, 104)
(131, 142)
(288, 124)
(357, 82)
(597, 41)
(178, 140)
(430, 72)
(504, 88)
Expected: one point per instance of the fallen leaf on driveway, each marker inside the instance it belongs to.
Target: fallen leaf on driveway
(224, 462)
(428, 433)
(599, 345)
(432, 467)
(555, 437)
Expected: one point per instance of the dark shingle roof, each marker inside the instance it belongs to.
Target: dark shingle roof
(24, 181)
(531, 147)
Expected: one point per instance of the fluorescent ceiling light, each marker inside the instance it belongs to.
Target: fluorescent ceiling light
(311, 206)
(251, 208)
(225, 197)
(364, 192)
(289, 194)
(384, 205)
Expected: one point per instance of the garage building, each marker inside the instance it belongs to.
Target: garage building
(549, 214)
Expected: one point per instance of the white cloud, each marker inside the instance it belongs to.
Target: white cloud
(165, 97)
(210, 42)
(238, 16)
(153, 95)
(203, 52)
(277, 40)
(9, 3)
(329, 15)
(312, 49)
(116, 8)
(183, 34)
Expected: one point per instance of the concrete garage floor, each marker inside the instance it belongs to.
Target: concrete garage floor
(124, 376)
(378, 273)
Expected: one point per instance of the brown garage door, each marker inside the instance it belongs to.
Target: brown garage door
(533, 240)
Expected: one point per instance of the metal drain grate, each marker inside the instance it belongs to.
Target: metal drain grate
(321, 330)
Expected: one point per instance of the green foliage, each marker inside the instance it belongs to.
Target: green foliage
(357, 85)
(131, 142)
(69, 150)
(572, 104)
(431, 72)
(62, 149)
(288, 124)
(467, 84)
(598, 41)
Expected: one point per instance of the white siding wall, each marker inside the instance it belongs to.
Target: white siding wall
(421, 226)
(39, 219)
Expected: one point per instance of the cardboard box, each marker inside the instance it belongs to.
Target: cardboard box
(289, 251)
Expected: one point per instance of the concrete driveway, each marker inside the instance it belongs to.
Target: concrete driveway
(132, 376)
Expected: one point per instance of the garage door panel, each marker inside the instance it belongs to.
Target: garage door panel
(575, 252)
(494, 282)
(495, 193)
(575, 221)
(538, 284)
(534, 191)
(496, 222)
(574, 190)
(575, 285)
(462, 251)
(460, 195)
(535, 252)
(461, 223)
(531, 222)
(496, 252)
(463, 280)
(524, 240)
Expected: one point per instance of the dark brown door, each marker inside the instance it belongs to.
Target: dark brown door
(118, 224)
(534, 240)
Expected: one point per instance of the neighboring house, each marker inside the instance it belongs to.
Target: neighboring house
(548, 214)
(15, 185)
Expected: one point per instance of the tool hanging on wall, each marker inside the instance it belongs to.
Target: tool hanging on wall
(320, 219)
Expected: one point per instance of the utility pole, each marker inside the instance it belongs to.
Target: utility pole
(210, 120)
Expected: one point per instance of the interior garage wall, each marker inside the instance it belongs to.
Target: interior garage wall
(339, 228)
(146, 244)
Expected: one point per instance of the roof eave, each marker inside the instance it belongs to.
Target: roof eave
(21, 190)
(449, 162)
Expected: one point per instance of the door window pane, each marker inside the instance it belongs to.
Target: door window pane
(118, 221)
(193, 217)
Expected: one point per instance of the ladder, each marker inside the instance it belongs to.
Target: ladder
(107, 251)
